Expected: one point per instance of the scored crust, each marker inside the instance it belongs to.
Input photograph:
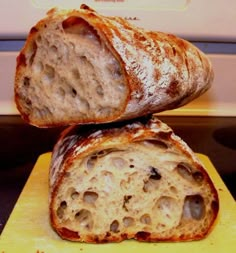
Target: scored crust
(80, 67)
(129, 181)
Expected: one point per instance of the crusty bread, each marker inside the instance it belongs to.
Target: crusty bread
(135, 180)
(81, 67)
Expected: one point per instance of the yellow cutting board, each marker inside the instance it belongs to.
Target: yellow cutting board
(28, 228)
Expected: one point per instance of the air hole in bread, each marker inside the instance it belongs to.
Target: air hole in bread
(49, 74)
(153, 182)
(32, 53)
(77, 25)
(93, 180)
(108, 179)
(154, 174)
(105, 152)
(72, 21)
(114, 227)
(156, 143)
(63, 204)
(28, 102)
(91, 161)
(90, 197)
(84, 219)
(114, 68)
(128, 221)
(61, 92)
(173, 189)
(74, 195)
(85, 61)
(126, 202)
(76, 74)
(161, 226)
(26, 82)
(146, 219)
(118, 162)
(100, 90)
(83, 104)
(54, 49)
(194, 207)
(198, 177)
(39, 39)
(38, 67)
(166, 206)
(73, 92)
(61, 209)
(185, 171)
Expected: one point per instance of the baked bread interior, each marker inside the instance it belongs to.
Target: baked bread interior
(79, 67)
(135, 180)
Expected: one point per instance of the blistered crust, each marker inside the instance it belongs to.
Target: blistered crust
(160, 71)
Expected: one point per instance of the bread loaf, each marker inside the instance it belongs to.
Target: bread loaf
(82, 67)
(135, 180)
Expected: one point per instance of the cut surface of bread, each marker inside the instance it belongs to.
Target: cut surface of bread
(136, 181)
(78, 66)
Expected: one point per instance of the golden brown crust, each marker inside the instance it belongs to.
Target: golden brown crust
(162, 71)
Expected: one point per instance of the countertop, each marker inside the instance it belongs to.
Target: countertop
(21, 145)
(38, 236)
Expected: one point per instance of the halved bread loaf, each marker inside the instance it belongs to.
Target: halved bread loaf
(81, 67)
(136, 180)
